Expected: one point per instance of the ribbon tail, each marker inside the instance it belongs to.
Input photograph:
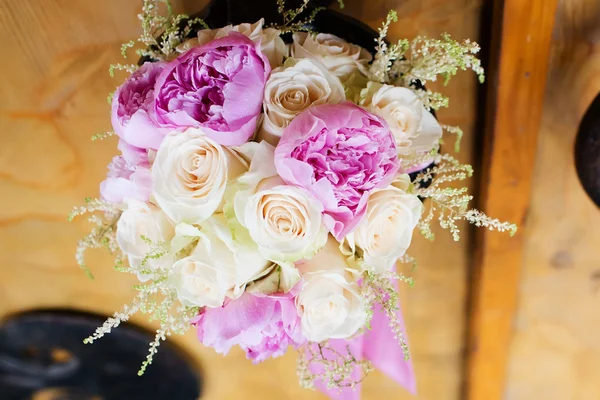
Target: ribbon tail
(382, 349)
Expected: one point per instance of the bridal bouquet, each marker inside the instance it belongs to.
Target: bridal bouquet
(262, 193)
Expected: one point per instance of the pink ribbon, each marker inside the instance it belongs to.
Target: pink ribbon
(379, 346)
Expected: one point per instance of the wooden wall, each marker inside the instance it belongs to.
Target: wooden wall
(555, 349)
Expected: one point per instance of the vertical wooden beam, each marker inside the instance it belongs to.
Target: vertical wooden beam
(517, 80)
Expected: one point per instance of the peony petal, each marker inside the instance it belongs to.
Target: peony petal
(134, 156)
(217, 86)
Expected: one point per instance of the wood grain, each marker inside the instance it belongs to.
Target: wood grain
(515, 100)
(54, 84)
(555, 348)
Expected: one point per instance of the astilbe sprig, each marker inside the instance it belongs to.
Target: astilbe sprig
(174, 318)
(103, 233)
(427, 58)
(413, 63)
(162, 32)
(449, 203)
(103, 135)
(410, 260)
(157, 297)
(118, 317)
(379, 290)
(454, 130)
(291, 17)
(291, 23)
(338, 370)
(431, 100)
(385, 54)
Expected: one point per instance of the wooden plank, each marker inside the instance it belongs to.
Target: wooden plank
(517, 80)
(555, 350)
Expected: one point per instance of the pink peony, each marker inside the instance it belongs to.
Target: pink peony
(217, 86)
(133, 108)
(128, 177)
(339, 153)
(263, 326)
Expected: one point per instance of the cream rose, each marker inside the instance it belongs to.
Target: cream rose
(285, 222)
(330, 307)
(329, 304)
(291, 89)
(190, 174)
(200, 284)
(415, 129)
(217, 268)
(139, 223)
(385, 232)
(271, 44)
(343, 59)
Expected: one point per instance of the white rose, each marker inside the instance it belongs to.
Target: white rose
(330, 307)
(217, 268)
(199, 283)
(329, 303)
(190, 174)
(271, 43)
(385, 231)
(142, 220)
(285, 222)
(415, 129)
(343, 59)
(291, 89)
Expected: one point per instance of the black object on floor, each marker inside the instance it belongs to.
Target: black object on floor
(42, 357)
(587, 151)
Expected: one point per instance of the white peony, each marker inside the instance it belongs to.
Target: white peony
(329, 303)
(284, 221)
(385, 231)
(138, 224)
(293, 88)
(343, 59)
(271, 44)
(218, 268)
(415, 129)
(190, 174)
